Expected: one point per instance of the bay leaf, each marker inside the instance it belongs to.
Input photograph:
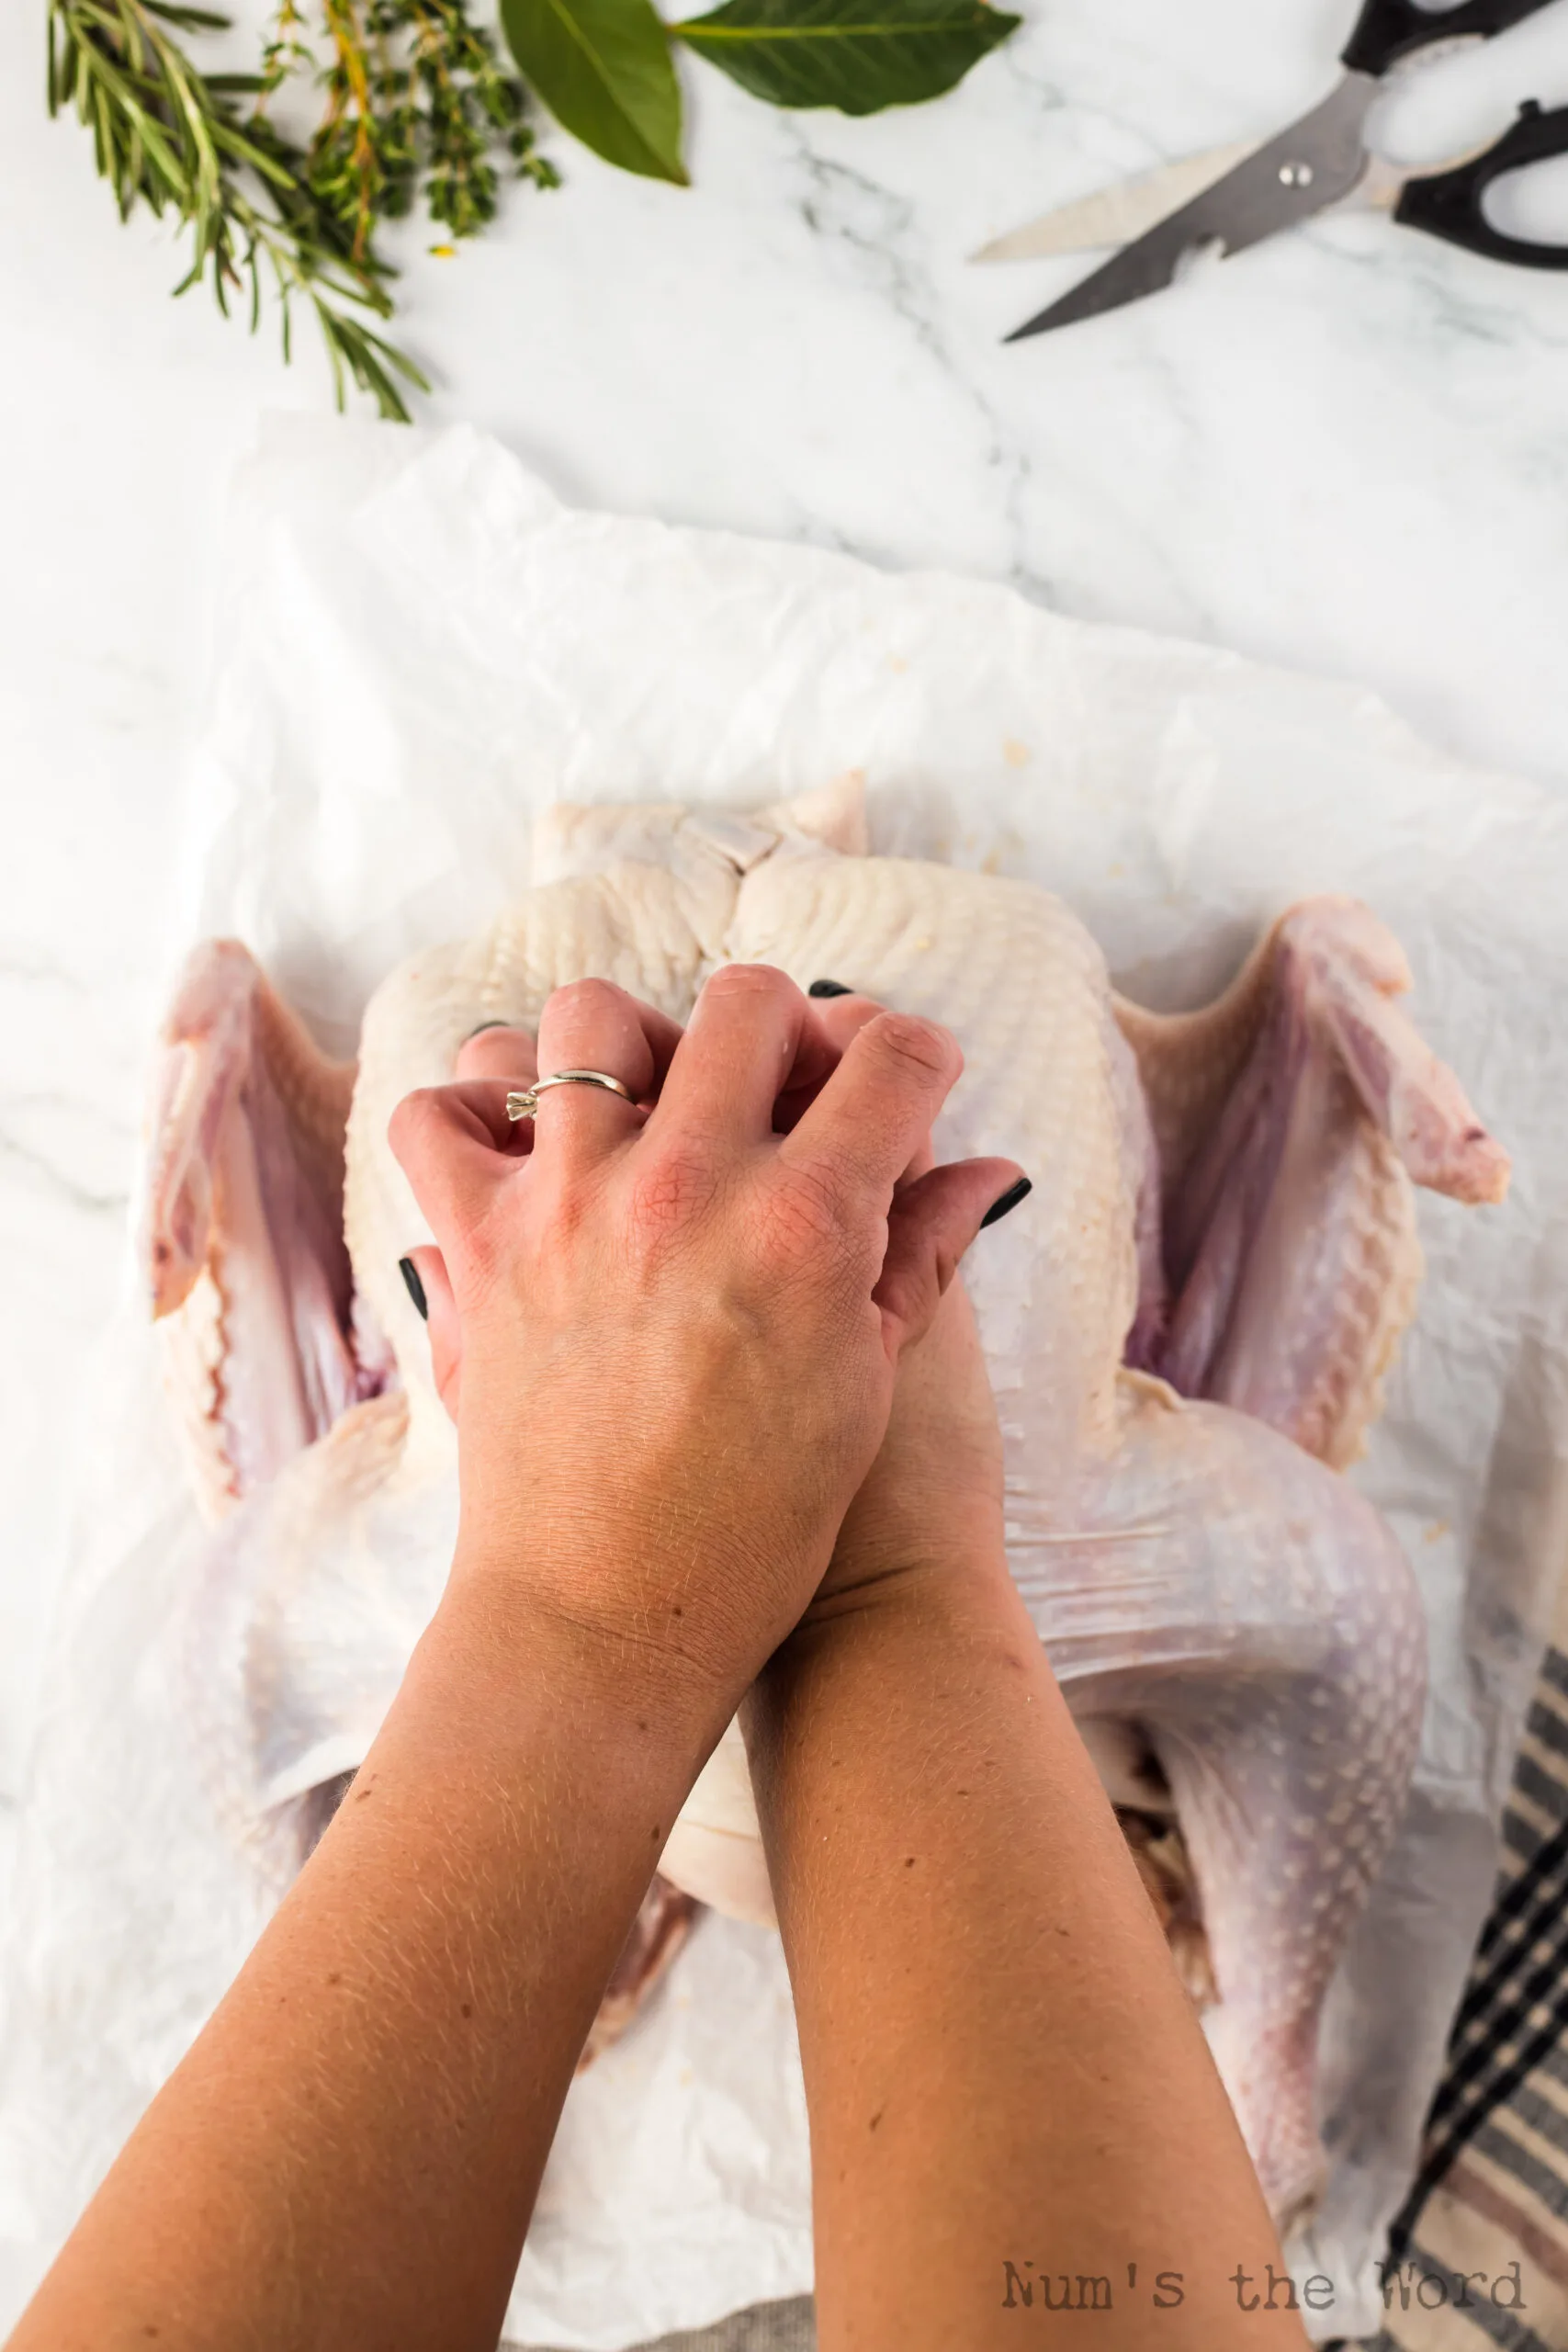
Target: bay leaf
(857, 55)
(604, 70)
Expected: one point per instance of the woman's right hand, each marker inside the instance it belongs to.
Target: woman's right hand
(678, 1327)
(931, 1502)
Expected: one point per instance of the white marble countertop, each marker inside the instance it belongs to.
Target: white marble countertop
(1347, 452)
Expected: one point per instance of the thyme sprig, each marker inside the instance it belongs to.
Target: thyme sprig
(413, 92)
(414, 88)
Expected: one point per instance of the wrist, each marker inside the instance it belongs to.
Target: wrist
(513, 1669)
(941, 1541)
(661, 1603)
(938, 1632)
(928, 1583)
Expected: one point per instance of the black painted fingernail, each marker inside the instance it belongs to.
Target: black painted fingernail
(409, 1274)
(998, 1210)
(828, 988)
(487, 1024)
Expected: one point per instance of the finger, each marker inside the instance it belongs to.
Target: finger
(871, 1117)
(592, 1025)
(576, 1011)
(748, 1030)
(493, 1063)
(765, 1053)
(842, 1022)
(499, 1050)
(441, 1321)
(455, 1144)
(846, 1015)
(827, 1034)
(484, 1100)
(933, 1219)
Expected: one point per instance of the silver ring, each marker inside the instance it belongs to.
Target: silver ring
(525, 1105)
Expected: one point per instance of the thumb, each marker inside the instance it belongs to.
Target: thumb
(431, 1290)
(933, 1219)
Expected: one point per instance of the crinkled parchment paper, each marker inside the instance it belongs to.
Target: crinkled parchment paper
(420, 649)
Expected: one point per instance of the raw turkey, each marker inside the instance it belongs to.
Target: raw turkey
(1188, 1326)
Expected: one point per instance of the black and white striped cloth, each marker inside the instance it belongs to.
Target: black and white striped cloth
(1478, 2254)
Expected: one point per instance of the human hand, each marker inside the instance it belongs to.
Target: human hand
(931, 1502)
(669, 1331)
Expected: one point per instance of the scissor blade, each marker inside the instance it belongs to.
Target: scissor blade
(1115, 216)
(1312, 164)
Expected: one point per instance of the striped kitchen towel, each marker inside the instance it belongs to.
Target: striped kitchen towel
(1478, 2254)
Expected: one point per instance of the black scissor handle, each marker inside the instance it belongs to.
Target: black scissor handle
(1448, 204)
(1388, 30)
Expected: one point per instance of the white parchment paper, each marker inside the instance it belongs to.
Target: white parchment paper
(420, 649)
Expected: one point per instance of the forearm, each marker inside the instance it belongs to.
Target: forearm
(1001, 2063)
(350, 2152)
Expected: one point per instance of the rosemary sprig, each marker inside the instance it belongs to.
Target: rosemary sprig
(412, 89)
(174, 139)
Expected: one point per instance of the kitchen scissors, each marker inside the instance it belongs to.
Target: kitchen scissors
(1236, 197)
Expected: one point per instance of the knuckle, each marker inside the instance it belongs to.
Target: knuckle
(764, 981)
(413, 1123)
(923, 1049)
(577, 1001)
(499, 1052)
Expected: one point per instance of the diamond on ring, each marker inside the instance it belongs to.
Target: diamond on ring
(525, 1106)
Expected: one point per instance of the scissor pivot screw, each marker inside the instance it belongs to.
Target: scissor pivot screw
(1296, 174)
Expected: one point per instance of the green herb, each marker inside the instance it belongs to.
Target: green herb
(604, 69)
(413, 88)
(846, 54)
(602, 66)
(414, 99)
(414, 92)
